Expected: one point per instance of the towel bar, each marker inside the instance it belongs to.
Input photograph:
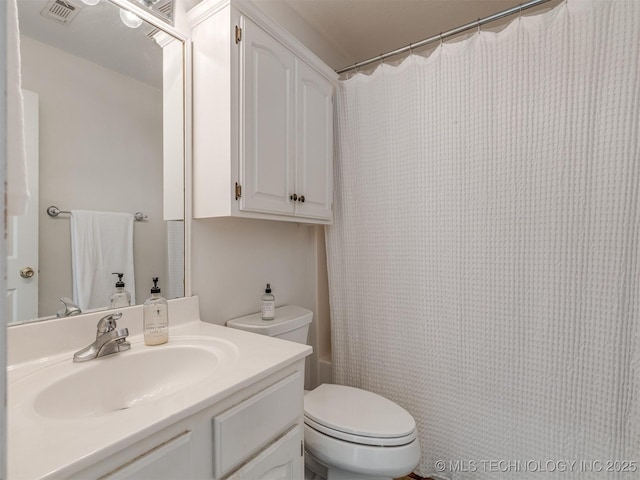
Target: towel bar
(54, 211)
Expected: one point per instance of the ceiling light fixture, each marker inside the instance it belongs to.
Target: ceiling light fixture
(91, 3)
(130, 19)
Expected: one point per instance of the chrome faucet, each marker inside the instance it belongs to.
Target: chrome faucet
(109, 339)
(70, 308)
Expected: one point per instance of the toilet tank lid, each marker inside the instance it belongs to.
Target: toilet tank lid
(287, 318)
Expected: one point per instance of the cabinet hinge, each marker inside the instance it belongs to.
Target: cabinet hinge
(238, 191)
(238, 34)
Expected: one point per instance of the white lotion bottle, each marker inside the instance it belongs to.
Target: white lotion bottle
(156, 317)
(268, 304)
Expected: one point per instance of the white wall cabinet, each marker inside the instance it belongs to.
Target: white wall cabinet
(263, 119)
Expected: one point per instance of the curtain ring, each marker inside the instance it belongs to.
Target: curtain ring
(441, 39)
(381, 60)
(478, 25)
(520, 12)
(411, 49)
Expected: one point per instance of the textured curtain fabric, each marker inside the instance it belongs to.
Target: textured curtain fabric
(483, 264)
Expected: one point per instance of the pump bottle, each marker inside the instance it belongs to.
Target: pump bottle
(120, 297)
(156, 317)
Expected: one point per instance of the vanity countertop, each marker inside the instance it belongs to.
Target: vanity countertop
(48, 446)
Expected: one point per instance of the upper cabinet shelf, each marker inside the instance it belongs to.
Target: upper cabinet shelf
(263, 119)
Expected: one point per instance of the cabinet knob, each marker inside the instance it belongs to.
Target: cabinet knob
(293, 197)
(302, 198)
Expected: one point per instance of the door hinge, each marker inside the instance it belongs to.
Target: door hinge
(238, 34)
(238, 191)
(302, 448)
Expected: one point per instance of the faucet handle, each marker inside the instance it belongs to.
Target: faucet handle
(108, 323)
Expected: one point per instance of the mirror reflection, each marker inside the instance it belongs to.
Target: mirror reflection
(104, 133)
(162, 9)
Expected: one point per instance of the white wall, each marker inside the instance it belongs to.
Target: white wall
(100, 149)
(233, 259)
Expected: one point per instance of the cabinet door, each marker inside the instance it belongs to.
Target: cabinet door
(282, 460)
(267, 145)
(314, 167)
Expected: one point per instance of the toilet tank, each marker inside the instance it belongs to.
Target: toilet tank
(290, 323)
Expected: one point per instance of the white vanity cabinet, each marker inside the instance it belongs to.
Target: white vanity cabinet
(263, 119)
(252, 435)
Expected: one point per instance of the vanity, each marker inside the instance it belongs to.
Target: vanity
(212, 403)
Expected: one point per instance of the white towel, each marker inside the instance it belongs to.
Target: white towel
(101, 243)
(17, 188)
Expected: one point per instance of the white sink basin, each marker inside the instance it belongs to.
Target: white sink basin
(112, 384)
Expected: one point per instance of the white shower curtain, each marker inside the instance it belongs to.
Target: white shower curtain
(483, 264)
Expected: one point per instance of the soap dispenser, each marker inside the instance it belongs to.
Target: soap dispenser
(156, 317)
(120, 297)
(268, 304)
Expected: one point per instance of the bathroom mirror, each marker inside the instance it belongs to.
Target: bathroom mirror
(104, 119)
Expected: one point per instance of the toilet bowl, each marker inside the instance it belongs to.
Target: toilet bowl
(358, 435)
(349, 433)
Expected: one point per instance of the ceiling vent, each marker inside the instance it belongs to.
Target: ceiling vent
(60, 11)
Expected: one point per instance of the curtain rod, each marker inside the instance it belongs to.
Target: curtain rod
(449, 33)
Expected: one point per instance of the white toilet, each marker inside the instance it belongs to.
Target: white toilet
(349, 433)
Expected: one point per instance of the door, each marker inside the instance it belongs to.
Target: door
(314, 167)
(22, 231)
(267, 144)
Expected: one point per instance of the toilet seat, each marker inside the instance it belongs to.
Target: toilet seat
(358, 416)
(360, 439)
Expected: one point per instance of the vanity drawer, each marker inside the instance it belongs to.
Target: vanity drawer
(244, 429)
(170, 460)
